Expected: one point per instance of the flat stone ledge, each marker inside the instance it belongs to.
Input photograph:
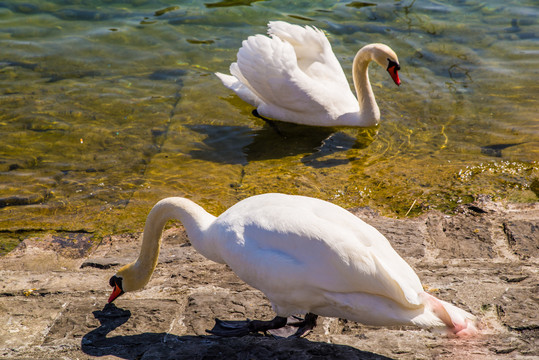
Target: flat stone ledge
(53, 296)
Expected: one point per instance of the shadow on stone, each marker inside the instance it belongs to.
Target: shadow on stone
(168, 346)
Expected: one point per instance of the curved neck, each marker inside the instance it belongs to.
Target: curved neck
(369, 113)
(193, 217)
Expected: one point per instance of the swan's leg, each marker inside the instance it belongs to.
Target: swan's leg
(296, 328)
(246, 327)
(271, 123)
(305, 326)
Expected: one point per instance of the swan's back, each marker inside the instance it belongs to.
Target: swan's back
(278, 242)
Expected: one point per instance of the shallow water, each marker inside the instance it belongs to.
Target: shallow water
(109, 106)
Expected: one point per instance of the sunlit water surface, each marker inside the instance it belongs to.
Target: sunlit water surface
(109, 106)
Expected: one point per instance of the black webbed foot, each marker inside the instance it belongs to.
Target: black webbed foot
(279, 327)
(230, 328)
(245, 327)
(296, 327)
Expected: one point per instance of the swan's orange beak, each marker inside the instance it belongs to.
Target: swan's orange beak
(116, 283)
(393, 71)
(115, 293)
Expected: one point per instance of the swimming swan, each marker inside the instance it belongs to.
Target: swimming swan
(294, 76)
(308, 256)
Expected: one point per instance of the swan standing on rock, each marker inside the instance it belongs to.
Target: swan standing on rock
(308, 256)
(294, 76)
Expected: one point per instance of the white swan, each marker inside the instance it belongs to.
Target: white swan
(294, 76)
(307, 256)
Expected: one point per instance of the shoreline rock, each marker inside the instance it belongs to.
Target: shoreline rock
(484, 258)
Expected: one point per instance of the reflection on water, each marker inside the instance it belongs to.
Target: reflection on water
(108, 106)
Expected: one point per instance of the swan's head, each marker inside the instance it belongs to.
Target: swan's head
(117, 283)
(386, 58)
(127, 279)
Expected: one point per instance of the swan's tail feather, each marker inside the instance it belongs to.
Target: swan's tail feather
(238, 87)
(456, 320)
(227, 80)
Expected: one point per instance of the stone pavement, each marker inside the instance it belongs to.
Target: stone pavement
(54, 290)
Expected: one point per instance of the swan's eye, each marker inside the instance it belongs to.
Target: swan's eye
(391, 64)
(115, 281)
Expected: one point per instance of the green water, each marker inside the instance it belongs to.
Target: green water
(108, 106)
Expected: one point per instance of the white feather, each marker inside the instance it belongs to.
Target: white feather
(294, 76)
(307, 256)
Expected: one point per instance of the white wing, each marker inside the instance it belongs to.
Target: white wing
(314, 54)
(280, 243)
(294, 75)
(269, 68)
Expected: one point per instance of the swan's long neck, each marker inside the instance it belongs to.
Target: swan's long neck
(369, 113)
(193, 217)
